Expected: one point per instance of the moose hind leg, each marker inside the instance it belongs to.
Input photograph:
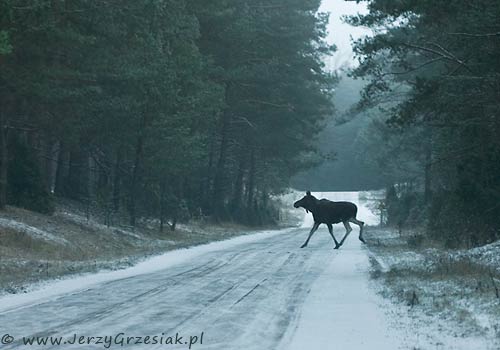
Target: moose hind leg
(314, 228)
(348, 230)
(361, 224)
(330, 229)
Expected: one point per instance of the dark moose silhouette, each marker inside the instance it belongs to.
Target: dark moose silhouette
(328, 212)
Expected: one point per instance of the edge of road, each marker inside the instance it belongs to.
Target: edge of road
(50, 290)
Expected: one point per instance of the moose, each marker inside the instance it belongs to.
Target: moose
(328, 212)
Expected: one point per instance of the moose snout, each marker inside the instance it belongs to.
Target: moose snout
(296, 204)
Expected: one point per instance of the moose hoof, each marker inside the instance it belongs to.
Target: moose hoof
(337, 246)
(303, 245)
(362, 240)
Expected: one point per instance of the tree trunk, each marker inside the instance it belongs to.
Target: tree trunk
(117, 182)
(162, 204)
(134, 186)
(428, 172)
(53, 164)
(62, 171)
(48, 161)
(174, 223)
(218, 190)
(90, 178)
(206, 184)
(251, 180)
(4, 157)
(238, 188)
(76, 185)
(427, 184)
(135, 180)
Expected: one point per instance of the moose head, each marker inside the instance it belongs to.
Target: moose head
(307, 202)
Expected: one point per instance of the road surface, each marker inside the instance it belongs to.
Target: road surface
(262, 294)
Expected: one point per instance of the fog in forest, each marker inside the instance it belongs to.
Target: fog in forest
(342, 139)
(171, 111)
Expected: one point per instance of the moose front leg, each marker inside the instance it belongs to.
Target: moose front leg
(314, 228)
(330, 229)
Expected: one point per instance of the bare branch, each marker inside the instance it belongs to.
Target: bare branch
(244, 120)
(267, 103)
(415, 68)
(448, 53)
(485, 35)
(443, 53)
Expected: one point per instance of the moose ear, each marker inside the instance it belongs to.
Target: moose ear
(308, 193)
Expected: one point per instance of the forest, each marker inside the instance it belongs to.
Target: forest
(432, 101)
(173, 109)
(164, 109)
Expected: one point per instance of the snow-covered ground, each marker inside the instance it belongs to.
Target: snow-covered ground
(253, 292)
(342, 311)
(438, 298)
(35, 248)
(31, 231)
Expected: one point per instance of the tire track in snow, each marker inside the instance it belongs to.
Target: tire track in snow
(107, 312)
(110, 310)
(234, 295)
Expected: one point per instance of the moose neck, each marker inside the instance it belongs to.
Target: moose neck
(312, 205)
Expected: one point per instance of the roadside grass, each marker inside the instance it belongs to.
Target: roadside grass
(449, 292)
(82, 245)
(13, 244)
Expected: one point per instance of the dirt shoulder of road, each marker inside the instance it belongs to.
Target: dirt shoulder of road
(35, 248)
(449, 299)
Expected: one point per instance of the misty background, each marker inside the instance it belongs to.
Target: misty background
(342, 136)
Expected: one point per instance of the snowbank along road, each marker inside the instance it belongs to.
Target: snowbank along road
(260, 292)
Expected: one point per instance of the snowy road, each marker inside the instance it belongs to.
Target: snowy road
(261, 294)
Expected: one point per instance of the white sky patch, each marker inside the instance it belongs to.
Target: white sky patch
(340, 33)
